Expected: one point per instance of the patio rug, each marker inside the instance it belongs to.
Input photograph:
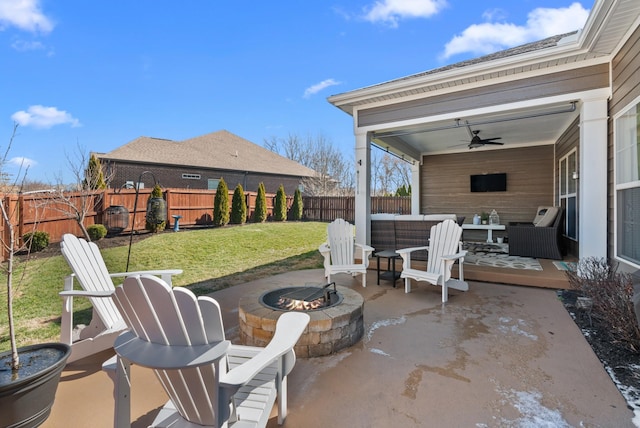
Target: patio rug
(497, 255)
(565, 265)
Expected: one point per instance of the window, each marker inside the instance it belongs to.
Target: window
(191, 176)
(132, 185)
(568, 193)
(212, 183)
(627, 183)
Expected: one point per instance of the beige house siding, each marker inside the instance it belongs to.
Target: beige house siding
(580, 79)
(625, 88)
(445, 182)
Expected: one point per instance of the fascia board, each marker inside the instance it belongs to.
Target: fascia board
(475, 84)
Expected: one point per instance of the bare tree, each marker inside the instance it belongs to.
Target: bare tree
(334, 173)
(388, 174)
(10, 245)
(76, 200)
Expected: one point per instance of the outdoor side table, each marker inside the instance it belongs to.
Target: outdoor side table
(390, 274)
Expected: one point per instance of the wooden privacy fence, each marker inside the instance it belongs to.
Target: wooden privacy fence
(44, 212)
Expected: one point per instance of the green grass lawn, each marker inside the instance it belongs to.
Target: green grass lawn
(210, 258)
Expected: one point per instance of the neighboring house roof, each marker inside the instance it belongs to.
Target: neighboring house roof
(217, 150)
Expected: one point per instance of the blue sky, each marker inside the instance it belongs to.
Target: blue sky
(97, 74)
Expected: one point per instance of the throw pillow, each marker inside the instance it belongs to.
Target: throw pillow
(548, 217)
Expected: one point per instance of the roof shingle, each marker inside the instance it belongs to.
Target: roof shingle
(217, 150)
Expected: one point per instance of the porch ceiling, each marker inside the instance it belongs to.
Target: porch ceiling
(516, 128)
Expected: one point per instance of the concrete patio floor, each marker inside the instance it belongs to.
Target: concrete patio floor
(495, 356)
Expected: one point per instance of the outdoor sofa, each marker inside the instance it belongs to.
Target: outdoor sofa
(392, 232)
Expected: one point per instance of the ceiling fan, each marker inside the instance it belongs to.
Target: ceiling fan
(476, 141)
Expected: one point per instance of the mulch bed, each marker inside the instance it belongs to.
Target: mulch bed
(622, 364)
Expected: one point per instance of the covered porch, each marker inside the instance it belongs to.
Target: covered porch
(538, 113)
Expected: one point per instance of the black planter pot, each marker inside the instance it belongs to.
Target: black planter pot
(26, 401)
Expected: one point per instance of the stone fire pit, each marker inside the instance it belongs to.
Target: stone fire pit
(330, 330)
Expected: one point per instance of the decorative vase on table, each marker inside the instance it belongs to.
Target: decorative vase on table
(476, 219)
(494, 218)
(26, 396)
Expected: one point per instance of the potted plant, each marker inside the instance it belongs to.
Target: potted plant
(484, 217)
(29, 375)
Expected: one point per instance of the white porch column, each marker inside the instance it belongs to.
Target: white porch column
(592, 185)
(363, 189)
(415, 188)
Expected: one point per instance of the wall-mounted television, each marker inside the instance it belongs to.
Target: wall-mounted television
(489, 182)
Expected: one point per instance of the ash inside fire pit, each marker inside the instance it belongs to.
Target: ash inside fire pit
(308, 298)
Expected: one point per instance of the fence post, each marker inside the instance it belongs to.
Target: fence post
(167, 198)
(20, 220)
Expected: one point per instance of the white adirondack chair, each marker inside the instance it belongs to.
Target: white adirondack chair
(89, 270)
(445, 247)
(208, 380)
(339, 251)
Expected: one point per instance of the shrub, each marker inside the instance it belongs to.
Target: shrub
(238, 206)
(156, 211)
(36, 241)
(260, 213)
(612, 296)
(97, 232)
(296, 207)
(280, 206)
(221, 204)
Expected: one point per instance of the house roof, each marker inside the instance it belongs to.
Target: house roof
(217, 150)
(536, 56)
(549, 42)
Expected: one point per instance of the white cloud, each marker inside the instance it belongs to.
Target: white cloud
(391, 11)
(22, 162)
(23, 46)
(314, 89)
(481, 39)
(44, 117)
(494, 14)
(24, 14)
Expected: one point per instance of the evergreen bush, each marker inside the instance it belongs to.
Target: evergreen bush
(221, 204)
(156, 219)
(260, 213)
(36, 241)
(97, 232)
(238, 206)
(94, 176)
(280, 206)
(296, 207)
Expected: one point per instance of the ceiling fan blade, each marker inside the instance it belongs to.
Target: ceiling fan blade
(471, 134)
(493, 142)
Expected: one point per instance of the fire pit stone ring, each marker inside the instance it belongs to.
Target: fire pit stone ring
(331, 328)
